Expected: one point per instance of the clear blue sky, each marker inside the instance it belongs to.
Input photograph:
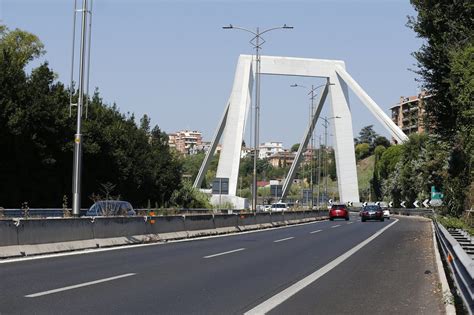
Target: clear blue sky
(174, 62)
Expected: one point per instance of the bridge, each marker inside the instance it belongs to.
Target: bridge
(231, 127)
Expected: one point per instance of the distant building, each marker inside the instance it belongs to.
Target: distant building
(268, 149)
(408, 114)
(185, 141)
(206, 146)
(282, 159)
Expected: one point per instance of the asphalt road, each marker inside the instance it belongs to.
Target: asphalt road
(394, 273)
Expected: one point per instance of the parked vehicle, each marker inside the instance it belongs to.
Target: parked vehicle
(386, 214)
(338, 211)
(279, 206)
(372, 212)
(111, 208)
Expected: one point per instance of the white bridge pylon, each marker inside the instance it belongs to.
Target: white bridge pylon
(232, 125)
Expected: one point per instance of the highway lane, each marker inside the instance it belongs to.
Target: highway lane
(396, 274)
(222, 275)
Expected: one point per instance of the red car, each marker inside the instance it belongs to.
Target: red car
(338, 212)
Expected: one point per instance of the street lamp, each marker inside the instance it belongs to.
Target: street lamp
(257, 41)
(325, 173)
(312, 97)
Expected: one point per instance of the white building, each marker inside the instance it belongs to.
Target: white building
(268, 149)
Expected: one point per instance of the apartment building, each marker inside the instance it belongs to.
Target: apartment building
(185, 141)
(408, 114)
(268, 149)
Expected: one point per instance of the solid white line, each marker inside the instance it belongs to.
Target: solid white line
(317, 231)
(284, 295)
(224, 253)
(335, 226)
(79, 285)
(283, 239)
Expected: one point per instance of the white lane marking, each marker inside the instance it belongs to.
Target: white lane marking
(79, 285)
(284, 295)
(335, 226)
(283, 239)
(317, 231)
(125, 247)
(224, 253)
(350, 222)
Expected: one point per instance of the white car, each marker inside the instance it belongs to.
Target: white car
(386, 214)
(279, 206)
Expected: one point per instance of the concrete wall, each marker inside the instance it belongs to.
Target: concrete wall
(36, 236)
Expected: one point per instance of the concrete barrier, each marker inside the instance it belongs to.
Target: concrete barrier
(226, 223)
(278, 218)
(166, 227)
(197, 225)
(8, 233)
(264, 220)
(37, 236)
(113, 231)
(40, 231)
(247, 221)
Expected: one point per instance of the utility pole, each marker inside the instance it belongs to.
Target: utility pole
(77, 164)
(257, 41)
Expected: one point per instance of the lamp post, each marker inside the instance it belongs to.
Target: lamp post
(257, 41)
(77, 163)
(325, 173)
(312, 95)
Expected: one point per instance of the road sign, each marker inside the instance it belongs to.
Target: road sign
(436, 202)
(330, 201)
(416, 204)
(365, 203)
(220, 186)
(377, 203)
(390, 204)
(426, 203)
(277, 191)
(349, 203)
(403, 204)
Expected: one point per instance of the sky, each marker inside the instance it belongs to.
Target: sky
(173, 61)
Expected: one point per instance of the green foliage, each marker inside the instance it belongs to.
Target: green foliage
(362, 150)
(446, 67)
(450, 222)
(366, 135)
(37, 139)
(295, 147)
(189, 197)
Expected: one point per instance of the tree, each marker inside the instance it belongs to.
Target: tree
(367, 135)
(362, 151)
(295, 147)
(446, 67)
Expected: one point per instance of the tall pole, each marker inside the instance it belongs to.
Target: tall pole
(257, 44)
(77, 166)
(319, 172)
(325, 160)
(312, 146)
(257, 119)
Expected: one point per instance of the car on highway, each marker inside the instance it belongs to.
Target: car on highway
(279, 206)
(111, 208)
(386, 214)
(338, 211)
(371, 212)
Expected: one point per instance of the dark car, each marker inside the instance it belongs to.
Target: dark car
(371, 212)
(338, 212)
(111, 208)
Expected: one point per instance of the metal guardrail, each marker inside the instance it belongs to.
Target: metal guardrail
(460, 264)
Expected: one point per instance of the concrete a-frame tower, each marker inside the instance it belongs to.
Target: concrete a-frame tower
(232, 125)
